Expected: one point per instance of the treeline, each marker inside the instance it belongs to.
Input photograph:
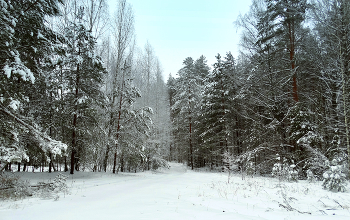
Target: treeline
(283, 103)
(76, 90)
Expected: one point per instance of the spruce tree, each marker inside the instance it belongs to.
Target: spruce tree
(216, 110)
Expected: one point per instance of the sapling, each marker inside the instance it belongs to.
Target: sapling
(59, 183)
(334, 178)
(310, 176)
(250, 168)
(292, 173)
(284, 171)
(228, 160)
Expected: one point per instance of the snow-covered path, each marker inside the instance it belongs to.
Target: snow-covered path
(174, 194)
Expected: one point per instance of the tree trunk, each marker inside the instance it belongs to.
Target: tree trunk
(105, 160)
(190, 125)
(191, 147)
(122, 163)
(224, 146)
(148, 163)
(77, 164)
(19, 167)
(72, 162)
(53, 167)
(119, 118)
(51, 115)
(292, 59)
(50, 163)
(65, 164)
(345, 103)
(75, 116)
(115, 162)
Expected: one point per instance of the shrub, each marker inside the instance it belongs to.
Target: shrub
(284, 171)
(310, 176)
(157, 163)
(51, 190)
(12, 187)
(334, 178)
(59, 183)
(250, 168)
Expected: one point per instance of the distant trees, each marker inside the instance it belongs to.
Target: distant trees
(186, 95)
(148, 77)
(202, 112)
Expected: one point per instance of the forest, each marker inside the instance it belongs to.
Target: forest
(78, 94)
(281, 107)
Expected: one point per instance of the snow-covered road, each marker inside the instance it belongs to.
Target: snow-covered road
(175, 194)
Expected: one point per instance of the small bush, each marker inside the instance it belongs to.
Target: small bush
(22, 189)
(51, 190)
(284, 171)
(314, 169)
(292, 173)
(250, 168)
(59, 183)
(12, 187)
(310, 176)
(334, 178)
(157, 163)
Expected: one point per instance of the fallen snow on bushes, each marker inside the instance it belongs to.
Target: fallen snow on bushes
(179, 193)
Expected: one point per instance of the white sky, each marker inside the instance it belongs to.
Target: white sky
(177, 29)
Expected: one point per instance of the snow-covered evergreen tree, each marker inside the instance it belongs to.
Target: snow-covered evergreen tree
(26, 43)
(188, 93)
(216, 111)
(334, 179)
(83, 73)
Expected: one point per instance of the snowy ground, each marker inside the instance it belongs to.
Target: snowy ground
(179, 194)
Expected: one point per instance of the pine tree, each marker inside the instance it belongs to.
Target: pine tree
(216, 111)
(174, 148)
(264, 96)
(186, 93)
(186, 99)
(84, 76)
(289, 14)
(26, 44)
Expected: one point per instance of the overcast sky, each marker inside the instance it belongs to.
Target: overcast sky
(177, 29)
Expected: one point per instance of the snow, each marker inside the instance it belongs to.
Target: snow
(14, 104)
(179, 193)
(14, 22)
(40, 36)
(80, 59)
(7, 71)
